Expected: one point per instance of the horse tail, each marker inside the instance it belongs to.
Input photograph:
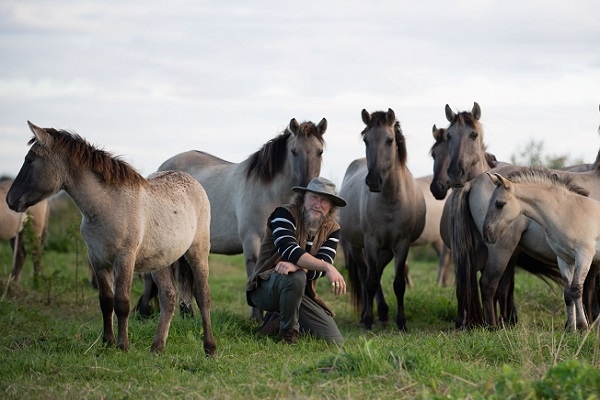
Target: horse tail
(464, 251)
(354, 282)
(185, 282)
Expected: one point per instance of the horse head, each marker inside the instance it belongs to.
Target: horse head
(41, 174)
(465, 144)
(503, 208)
(384, 145)
(305, 150)
(440, 182)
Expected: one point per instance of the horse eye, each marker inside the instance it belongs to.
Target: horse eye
(448, 137)
(294, 152)
(474, 135)
(500, 204)
(389, 141)
(320, 153)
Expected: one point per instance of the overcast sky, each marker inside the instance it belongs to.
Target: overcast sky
(149, 79)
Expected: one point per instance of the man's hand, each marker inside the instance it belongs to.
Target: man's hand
(338, 284)
(285, 267)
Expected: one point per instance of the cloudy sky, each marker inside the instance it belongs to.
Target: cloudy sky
(150, 79)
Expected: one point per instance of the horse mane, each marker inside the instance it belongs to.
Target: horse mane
(378, 118)
(267, 162)
(546, 177)
(111, 169)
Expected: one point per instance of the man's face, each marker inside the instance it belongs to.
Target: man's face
(316, 206)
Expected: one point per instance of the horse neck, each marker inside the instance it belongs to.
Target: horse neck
(399, 180)
(90, 195)
(540, 203)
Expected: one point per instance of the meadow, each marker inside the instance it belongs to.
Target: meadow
(51, 347)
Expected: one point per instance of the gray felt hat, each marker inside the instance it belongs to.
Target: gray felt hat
(323, 187)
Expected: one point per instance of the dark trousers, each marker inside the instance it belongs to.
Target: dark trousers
(285, 294)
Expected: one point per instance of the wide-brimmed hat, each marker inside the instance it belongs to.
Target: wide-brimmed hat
(323, 187)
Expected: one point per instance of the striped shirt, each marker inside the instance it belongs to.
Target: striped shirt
(283, 226)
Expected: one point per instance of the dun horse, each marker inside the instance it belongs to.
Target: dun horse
(11, 228)
(128, 223)
(384, 215)
(243, 195)
(525, 245)
(564, 211)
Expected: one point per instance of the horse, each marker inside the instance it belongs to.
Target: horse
(128, 223)
(243, 195)
(564, 211)
(385, 214)
(11, 228)
(431, 232)
(471, 193)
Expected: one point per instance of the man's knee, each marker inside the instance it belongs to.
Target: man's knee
(296, 281)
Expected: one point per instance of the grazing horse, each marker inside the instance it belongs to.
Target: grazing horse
(11, 228)
(494, 260)
(128, 223)
(243, 195)
(564, 211)
(385, 214)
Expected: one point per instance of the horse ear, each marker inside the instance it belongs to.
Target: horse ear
(294, 126)
(449, 114)
(434, 128)
(40, 134)
(322, 127)
(439, 134)
(390, 117)
(501, 181)
(476, 111)
(493, 177)
(366, 117)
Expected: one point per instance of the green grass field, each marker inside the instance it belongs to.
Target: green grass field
(51, 347)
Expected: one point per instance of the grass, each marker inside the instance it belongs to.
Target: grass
(51, 346)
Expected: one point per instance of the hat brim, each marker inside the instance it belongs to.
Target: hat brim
(335, 200)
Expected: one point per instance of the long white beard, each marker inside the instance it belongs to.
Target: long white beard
(312, 223)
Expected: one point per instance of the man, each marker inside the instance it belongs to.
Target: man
(299, 247)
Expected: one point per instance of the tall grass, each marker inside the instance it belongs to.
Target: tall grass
(51, 346)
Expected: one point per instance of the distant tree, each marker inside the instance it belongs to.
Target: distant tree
(533, 155)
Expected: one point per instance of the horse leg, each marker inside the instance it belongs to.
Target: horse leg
(167, 295)
(104, 277)
(150, 292)
(497, 284)
(123, 282)
(198, 262)
(566, 271)
(444, 277)
(505, 297)
(400, 284)
(582, 268)
(407, 279)
(589, 293)
(382, 306)
(251, 247)
(19, 256)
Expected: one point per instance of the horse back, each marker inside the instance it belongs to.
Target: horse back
(174, 215)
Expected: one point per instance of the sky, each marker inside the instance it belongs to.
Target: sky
(147, 80)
